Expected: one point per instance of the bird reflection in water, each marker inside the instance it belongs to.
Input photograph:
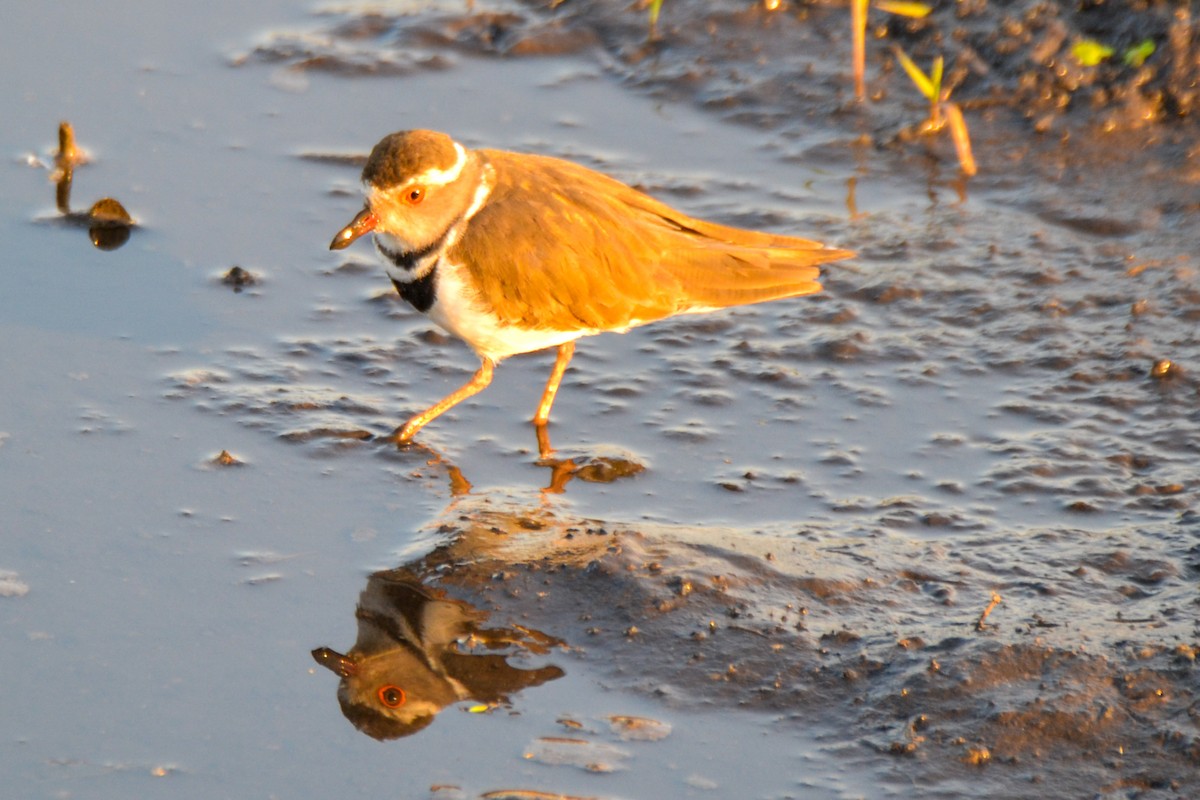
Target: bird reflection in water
(109, 224)
(603, 465)
(419, 651)
(597, 468)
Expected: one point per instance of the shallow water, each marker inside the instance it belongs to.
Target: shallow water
(773, 529)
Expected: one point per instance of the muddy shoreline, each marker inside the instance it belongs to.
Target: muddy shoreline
(933, 531)
(1013, 66)
(1055, 693)
(1046, 690)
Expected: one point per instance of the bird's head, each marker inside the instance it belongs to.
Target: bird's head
(418, 185)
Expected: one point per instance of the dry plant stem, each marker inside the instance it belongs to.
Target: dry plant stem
(979, 626)
(962, 139)
(62, 188)
(858, 26)
(68, 151)
(64, 167)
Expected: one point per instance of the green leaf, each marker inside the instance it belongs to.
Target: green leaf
(1136, 56)
(924, 84)
(1089, 52)
(904, 9)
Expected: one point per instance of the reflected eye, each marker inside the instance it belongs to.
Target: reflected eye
(414, 195)
(391, 696)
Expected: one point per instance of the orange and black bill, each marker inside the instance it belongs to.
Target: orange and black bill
(362, 224)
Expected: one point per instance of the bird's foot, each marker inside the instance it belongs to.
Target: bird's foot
(403, 436)
(545, 449)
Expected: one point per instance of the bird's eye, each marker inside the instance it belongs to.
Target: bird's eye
(391, 696)
(415, 195)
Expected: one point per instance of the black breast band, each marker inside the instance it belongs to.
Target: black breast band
(420, 293)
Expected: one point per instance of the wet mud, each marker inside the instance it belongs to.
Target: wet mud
(782, 65)
(1067, 490)
(1081, 679)
(940, 518)
(1023, 617)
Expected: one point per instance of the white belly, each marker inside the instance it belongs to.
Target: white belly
(459, 313)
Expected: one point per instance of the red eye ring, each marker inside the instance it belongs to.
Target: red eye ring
(414, 195)
(391, 696)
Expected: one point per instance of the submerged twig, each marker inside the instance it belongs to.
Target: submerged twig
(979, 626)
(108, 223)
(65, 159)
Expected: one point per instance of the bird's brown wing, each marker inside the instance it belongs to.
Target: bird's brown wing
(561, 247)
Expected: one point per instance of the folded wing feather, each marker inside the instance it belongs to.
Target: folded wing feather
(595, 253)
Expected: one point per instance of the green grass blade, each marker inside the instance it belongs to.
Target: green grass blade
(1137, 55)
(923, 84)
(655, 9)
(904, 9)
(1089, 52)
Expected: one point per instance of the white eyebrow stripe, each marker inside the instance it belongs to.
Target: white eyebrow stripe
(442, 177)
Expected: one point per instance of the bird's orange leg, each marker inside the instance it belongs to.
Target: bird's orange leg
(477, 384)
(565, 351)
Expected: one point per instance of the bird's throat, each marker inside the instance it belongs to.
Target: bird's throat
(412, 262)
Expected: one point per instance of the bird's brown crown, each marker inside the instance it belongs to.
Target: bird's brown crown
(401, 155)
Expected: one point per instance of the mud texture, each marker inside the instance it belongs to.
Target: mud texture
(788, 65)
(998, 398)
(885, 651)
